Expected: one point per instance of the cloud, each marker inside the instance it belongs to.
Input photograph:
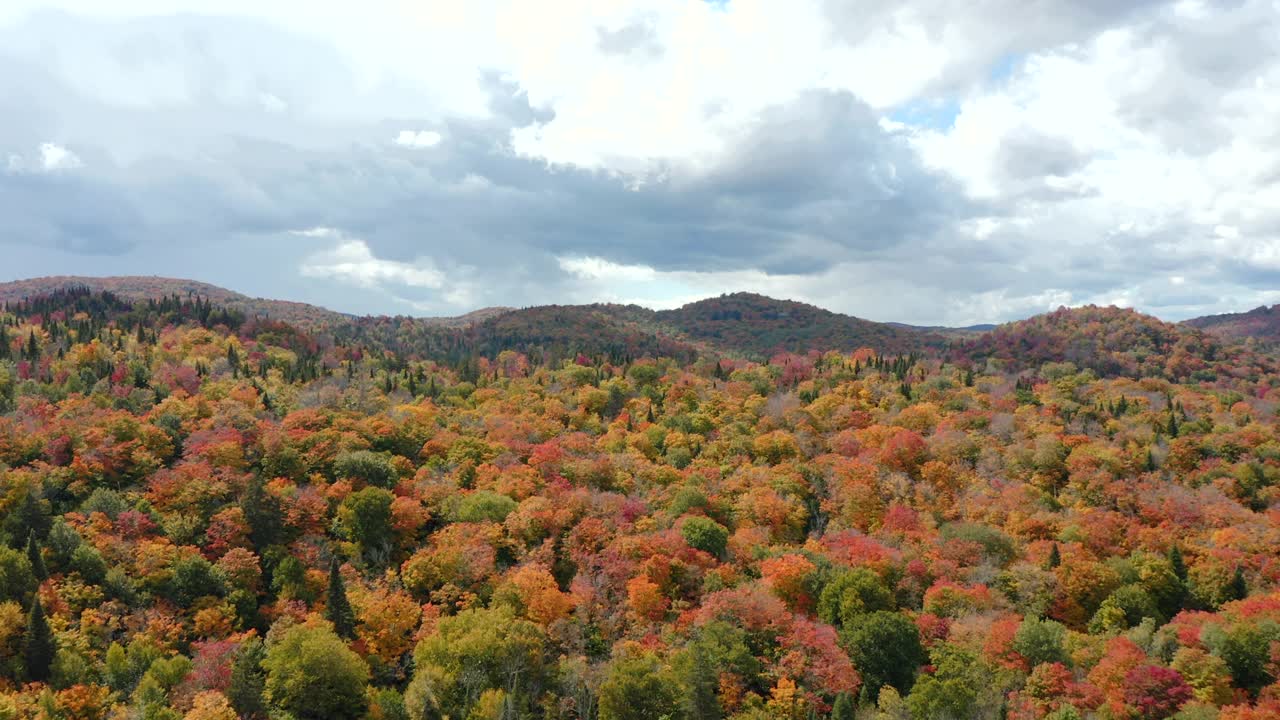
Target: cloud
(923, 161)
(418, 139)
(353, 262)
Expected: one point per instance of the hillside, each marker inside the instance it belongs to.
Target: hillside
(1111, 341)
(1261, 324)
(206, 516)
(762, 325)
(139, 287)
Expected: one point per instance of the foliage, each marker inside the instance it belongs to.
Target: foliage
(731, 510)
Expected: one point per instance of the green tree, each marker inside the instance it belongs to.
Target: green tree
(953, 689)
(371, 468)
(262, 514)
(30, 516)
(472, 652)
(193, 578)
(885, 647)
(699, 682)
(337, 608)
(17, 582)
(705, 534)
(851, 594)
(1041, 641)
(1238, 589)
(1125, 608)
(638, 687)
(312, 674)
(1176, 562)
(38, 646)
(35, 559)
(365, 516)
(248, 681)
(843, 708)
(482, 506)
(1246, 648)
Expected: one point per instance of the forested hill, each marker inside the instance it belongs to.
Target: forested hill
(211, 515)
(741, 324)
(1113, 342)
(1261, 324)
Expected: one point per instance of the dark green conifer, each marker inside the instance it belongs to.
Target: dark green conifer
(34, 557)
(1177, 564)
(337, 608)
(843, 707)
(1238, 589)
(38, 646)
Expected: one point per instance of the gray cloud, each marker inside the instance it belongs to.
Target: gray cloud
(637, 37)
(205, 143)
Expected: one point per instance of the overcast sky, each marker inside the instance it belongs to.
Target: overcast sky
(925, 161)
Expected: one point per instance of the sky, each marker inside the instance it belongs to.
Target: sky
(923, 161)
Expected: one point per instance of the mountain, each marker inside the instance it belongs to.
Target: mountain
(1111, 341)
(143, 287)
(761, 325)
(139, 287)
(1261, 324)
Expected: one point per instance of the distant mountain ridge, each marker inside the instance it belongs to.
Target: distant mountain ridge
(150, 287)
(1109, 340)
(1261, 323)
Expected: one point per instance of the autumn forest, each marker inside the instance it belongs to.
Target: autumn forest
(744, 509)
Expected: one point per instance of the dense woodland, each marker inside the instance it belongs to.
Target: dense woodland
(210, 515)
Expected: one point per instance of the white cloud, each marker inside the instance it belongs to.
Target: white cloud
(352, 261)
(418, 139)
(1102, 143)
(48, 158)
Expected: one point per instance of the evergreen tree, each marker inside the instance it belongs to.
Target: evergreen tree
(27, 519)
(1238, 589)
(1055, 557)
(37, 561)
(261, 513)
(39, 646)
(1177, 564)
(700, 686)
(248, 680)
(843, 707)
(1172, 427)
(337, 608)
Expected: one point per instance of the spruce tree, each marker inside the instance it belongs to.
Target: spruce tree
(1055, 557)
(37, 561)
(39, 646)
(700, 698)
(248, 680)
(1177, 564)
(337, 608)
(843, 707)
(1238, 589)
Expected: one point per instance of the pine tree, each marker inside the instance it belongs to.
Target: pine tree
(1238, 589)
(1172, 427)
(248, 680)
(1177, 564)
(843, 707)
(39, 646)
(37, 561)
(1055, 557)
(337, 608)
(701, 701)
